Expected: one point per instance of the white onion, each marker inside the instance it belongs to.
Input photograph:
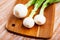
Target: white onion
(28, 22)
(20, 11)
(40, 19)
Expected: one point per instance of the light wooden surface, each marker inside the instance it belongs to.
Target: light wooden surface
(5, 11)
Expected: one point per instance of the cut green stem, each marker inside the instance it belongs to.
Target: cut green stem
(57, 1)
(36, 6)
(31, 2)
(43, 8)
(46, 3)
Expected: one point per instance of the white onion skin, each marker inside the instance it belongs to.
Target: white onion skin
(20, 11)
(40, 19)
(28, 22)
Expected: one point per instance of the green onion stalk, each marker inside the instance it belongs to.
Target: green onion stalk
(40, 19)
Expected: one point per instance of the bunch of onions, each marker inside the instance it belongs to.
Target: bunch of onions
(21, 10)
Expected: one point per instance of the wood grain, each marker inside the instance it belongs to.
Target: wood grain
(44, 31)
(5, 12)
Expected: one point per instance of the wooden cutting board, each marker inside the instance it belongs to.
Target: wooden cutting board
(45, 31)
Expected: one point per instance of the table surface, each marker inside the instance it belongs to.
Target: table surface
(5, 12)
